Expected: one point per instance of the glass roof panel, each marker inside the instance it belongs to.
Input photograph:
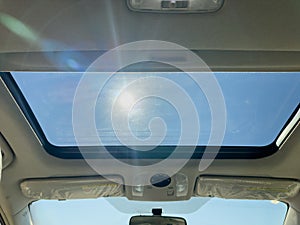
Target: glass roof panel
(258, 105)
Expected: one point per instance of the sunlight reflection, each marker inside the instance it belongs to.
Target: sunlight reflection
(18, 28)
(126, 100)
(65, 59)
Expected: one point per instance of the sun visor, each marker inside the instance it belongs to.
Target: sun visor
(246, 188)
(73, 188)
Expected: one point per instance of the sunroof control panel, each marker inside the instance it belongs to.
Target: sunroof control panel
(161, 187)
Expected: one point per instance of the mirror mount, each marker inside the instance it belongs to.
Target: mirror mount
(156, 219)
(156, 212)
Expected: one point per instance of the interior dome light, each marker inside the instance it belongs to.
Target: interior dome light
(187, 6)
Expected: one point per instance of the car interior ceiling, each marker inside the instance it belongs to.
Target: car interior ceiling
(40, 36)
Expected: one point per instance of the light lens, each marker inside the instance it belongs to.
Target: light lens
(181, 185)
(138, 190)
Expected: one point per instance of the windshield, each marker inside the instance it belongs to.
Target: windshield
(196, 211)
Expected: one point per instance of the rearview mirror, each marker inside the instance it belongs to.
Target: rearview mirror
(156, 220)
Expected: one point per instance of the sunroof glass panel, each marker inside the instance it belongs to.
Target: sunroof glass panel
(257, 105)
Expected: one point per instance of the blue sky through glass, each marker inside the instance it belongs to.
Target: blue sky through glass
(258, 105)
(196, 211)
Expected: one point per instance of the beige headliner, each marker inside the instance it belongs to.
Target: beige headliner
(103, 24)
(269, 29)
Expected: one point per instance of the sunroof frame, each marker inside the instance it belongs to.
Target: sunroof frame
(123, 152)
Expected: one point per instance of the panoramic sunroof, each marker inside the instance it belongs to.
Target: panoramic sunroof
(257, 105)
